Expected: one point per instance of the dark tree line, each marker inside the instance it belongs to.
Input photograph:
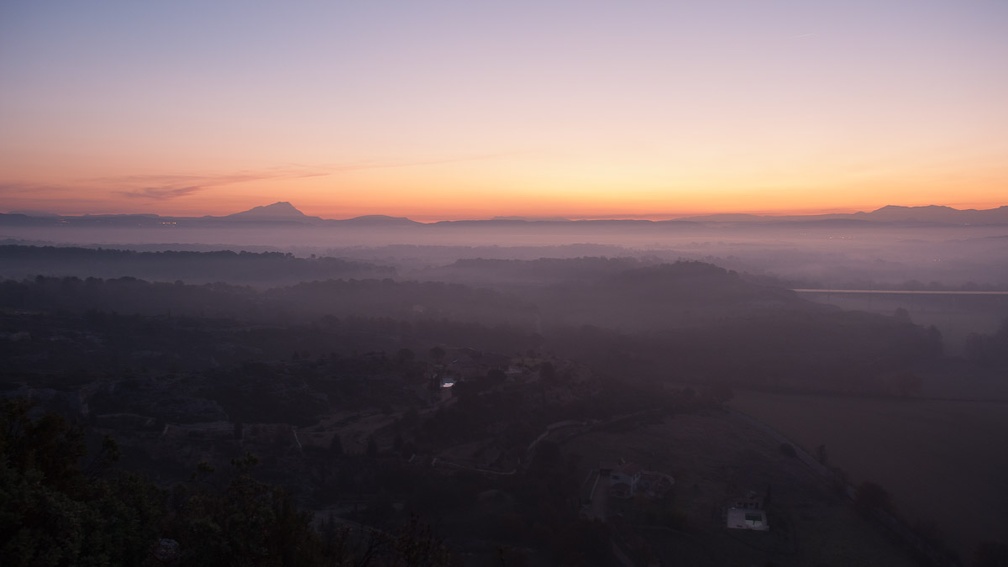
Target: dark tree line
(61, 507)
(989, 350)
(171, 265)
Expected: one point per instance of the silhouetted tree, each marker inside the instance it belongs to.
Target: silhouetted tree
(496, 376)
(55, 515)
(49, 444)
(871, 496)
(991, 554)
(404, 356)
(547, 372)
(821, 455)
(336, 446)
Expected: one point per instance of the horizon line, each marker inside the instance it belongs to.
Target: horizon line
(659, 217)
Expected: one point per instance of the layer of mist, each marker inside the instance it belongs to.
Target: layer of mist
(481, 375)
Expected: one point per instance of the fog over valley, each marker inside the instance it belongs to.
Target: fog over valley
(716, 389)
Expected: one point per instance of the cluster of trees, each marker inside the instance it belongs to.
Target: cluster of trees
(829, 351)
(223, 265)
(56, 345)
(404, 300)
(301, 302)
(128, 295)
(649, 298)
(508, 273)
(621, 293)
(61, 507)
(802, 349)
(290, 354)
(989, 350)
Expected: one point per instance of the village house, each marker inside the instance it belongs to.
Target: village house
(747, 513)
(623, 478)
(743, 519)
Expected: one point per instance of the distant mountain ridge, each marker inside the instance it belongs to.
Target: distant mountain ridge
(939, 214)
(929, 214)
(283, 212)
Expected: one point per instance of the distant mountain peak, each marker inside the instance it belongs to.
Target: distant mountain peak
(927, 208)
(281, 210)
(928, 213)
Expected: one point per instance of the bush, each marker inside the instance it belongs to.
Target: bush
(871, 496)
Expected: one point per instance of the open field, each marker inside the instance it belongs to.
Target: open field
(717, 456)
(943, 462)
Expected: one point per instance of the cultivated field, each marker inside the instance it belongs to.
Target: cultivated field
(943, 462)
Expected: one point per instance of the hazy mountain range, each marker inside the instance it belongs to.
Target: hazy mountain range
(284, 213)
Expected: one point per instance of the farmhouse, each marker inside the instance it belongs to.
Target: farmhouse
(746, 519)
(747, 513)
(751, 501)
(628, 475)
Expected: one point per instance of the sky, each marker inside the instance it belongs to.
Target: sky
(442, 110)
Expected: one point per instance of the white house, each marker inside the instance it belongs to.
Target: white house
(627, 474)
(747, 519)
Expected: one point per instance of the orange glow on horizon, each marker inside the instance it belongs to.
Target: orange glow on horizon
(431, 112)
(478, 197)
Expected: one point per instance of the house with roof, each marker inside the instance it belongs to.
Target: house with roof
(747, 513)
(751, 501)
(628, 473)
(623, 478)
(747, 519)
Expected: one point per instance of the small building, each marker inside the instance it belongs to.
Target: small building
(751, 501)
(623, 478)
(747, 513)
(627, 473)
(747, 519)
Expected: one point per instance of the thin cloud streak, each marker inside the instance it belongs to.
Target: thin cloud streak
(158, 186)
(205, 180)
(392, 164)
(168, 187)
(163, 188)
(161, 193)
